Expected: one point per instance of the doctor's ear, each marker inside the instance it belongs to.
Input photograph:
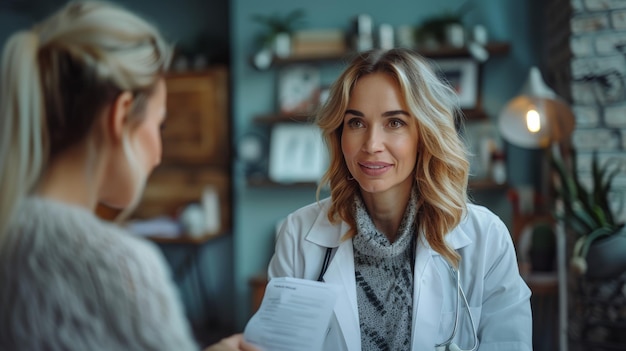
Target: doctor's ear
(117, 115)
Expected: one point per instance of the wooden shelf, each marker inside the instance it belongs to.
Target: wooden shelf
(278, 118)
(338, 57)
(474, 114)
(485, 184)
(494, 49)
(267, 183)
(468, 114)
(187, 240)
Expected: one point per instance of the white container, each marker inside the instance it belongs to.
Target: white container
(282, 44)
(455, 35)
(385, 36)
(479, 34)
(211, 208)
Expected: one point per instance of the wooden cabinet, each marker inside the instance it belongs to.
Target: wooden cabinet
(196, 147)
(258, 284)
(197, 125)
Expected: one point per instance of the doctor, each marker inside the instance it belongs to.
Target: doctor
(419, 267)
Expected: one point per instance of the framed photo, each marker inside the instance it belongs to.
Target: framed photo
(297, 153)
(324, 94)
(298, 89)
(462, 74)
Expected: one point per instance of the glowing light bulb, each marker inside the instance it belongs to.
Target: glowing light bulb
(533, 121)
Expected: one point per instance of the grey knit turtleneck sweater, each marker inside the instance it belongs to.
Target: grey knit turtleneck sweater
(384, 277)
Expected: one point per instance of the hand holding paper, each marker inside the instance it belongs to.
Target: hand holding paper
(294, 315)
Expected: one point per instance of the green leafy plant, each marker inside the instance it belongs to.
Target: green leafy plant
(585, 211)
(435, 26)
(275, 23)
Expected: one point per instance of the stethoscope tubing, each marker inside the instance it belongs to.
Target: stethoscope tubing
(448, 345)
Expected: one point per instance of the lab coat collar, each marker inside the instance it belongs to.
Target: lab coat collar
(325, 233)
(457, 238)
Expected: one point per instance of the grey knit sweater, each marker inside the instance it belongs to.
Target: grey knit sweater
(69, 281)
(384, 278)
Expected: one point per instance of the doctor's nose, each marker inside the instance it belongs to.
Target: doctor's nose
(374, 141)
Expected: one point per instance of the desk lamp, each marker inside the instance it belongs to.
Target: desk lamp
(529, 124)
(537, 117)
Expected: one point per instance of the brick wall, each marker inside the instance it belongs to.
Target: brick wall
(597, 82)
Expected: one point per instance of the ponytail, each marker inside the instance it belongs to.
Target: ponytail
(22, 125)
(56, 78)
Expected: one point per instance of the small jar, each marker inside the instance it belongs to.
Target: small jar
(498, 167)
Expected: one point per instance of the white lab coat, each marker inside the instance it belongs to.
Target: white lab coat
(498, 297)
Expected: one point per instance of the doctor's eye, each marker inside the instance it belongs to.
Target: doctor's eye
(396, 123)
(355, 123)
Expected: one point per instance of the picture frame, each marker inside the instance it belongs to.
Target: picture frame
(298, 89)
(462, 74)
(324, 94)
(297, 153)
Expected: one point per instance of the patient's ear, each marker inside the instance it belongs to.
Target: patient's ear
(117, 114)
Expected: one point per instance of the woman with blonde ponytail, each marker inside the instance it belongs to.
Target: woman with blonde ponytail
(420, 268)
(82, 97)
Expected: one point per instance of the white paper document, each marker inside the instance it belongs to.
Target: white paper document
(294, 315)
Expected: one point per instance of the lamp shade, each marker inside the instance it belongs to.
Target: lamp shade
(537, 117)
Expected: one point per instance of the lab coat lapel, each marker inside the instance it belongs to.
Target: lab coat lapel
(427, 299)
(341, 272)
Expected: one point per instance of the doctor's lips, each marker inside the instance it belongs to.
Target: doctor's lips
(374, 168)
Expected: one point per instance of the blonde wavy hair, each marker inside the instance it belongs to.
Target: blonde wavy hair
(56, 77)
(442, 167)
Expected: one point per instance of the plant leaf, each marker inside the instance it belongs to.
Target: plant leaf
(583, 215)
(600, 215)
(591, 237)
(569, 190)
(603, 200)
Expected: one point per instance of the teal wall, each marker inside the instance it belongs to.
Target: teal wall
(257, 210)
(195, 23)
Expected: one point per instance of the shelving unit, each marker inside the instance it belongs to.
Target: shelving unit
(268, 120)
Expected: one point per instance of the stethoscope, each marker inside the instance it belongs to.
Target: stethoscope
(448, 345)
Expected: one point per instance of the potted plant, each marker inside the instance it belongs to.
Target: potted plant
(443, 29)
(278, 30)
(600, 247)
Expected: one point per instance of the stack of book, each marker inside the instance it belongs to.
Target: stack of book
(318, 42)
